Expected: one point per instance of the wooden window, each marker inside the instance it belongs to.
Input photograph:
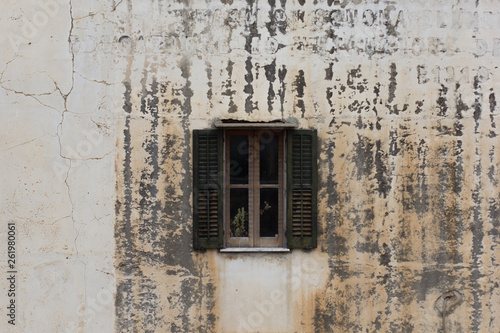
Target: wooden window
(254, 188)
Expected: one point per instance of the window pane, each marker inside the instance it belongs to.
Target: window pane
(268, 158)
(269, 212)
(238, 151)
(239, 212)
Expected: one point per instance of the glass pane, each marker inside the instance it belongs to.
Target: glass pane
(239, 212)
(268, 158)
(238, 156)
(269, 212)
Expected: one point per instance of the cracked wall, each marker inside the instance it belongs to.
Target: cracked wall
(57, 156)
(98, 106)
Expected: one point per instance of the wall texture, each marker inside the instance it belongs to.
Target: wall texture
(98, 105)
(57, 157)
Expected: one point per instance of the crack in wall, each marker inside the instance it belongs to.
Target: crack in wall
(19, 145)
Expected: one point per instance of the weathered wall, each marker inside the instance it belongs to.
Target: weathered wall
(403, 97)
(97, 111)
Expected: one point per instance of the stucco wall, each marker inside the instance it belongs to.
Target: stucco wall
(57, 174)
(98, 106)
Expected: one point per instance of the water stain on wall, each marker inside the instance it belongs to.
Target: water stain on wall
(408, 170)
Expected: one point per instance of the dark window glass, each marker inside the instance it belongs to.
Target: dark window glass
(238, 151)
(239, 212)
(268, 158)
(269, 212)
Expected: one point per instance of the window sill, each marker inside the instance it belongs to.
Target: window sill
(254, 249)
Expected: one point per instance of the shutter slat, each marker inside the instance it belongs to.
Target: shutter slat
(207, 177)
(302, 189)
(207, 213)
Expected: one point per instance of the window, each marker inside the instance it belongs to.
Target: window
(254, 187)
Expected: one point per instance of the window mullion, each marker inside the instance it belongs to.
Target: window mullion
(227, 189)
(280, 189)
(256, 187)
(251, 199)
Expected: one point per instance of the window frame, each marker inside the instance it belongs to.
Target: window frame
(254, 240)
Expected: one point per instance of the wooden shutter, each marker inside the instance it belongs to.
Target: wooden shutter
(207, 200)
(301, 189)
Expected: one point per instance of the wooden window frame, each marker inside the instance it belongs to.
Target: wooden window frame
(254, 240)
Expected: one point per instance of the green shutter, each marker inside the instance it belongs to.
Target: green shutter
(207, 200)
(302, 174)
